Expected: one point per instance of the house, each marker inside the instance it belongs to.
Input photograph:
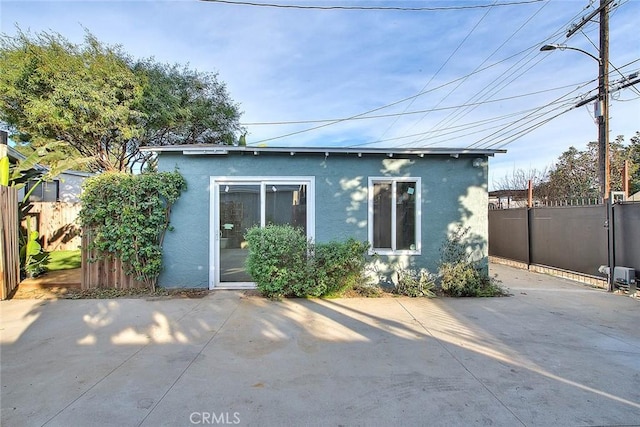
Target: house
(65, 187)
(405, 202)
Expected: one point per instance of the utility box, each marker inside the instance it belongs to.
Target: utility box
(625, 278)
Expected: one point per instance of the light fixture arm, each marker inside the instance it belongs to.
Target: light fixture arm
(548, 47)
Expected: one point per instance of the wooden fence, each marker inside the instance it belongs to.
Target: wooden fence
(9, 250)
(57, 223)
(104, 273)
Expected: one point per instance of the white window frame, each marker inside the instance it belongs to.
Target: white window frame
(215, 182)
(394, 181)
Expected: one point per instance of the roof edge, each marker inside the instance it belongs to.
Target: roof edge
(206, 149)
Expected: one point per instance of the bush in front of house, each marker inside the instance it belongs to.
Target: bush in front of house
(414, 283)
(278, 261)
(339, 266)
(459, 275)
(284, 263)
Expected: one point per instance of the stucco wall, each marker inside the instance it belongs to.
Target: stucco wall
(453, 192)
(70, 187)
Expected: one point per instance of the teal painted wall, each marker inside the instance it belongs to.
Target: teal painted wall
(453, 192)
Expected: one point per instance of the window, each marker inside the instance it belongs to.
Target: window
(44, 191)
(394, 215)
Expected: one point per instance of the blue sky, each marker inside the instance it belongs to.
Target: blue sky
(420, 70)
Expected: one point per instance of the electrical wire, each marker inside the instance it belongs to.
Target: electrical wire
(464, 127)
(500, 82)
(376, 8)
(515, 125)
(392, 104)
(443, 121)
(406, 113)
(506, 132)
(444, 64)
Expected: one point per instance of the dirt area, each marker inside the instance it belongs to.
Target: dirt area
(65, 284)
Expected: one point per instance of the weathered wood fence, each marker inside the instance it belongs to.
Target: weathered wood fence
(9, 248)
(57, 223)
(103, 273)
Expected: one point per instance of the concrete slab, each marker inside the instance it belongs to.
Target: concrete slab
(554, 353)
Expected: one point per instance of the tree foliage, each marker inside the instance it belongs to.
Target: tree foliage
(104, 104)
(128, 216)
(574, 175)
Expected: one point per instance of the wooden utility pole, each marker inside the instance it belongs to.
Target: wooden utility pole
(603, 99)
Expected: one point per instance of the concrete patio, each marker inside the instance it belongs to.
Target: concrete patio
(554, 353)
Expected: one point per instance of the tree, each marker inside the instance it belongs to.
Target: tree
(633, 155)
(104, 104)
(575, 173)
(518, 181)
(183, 106)
(53, 90)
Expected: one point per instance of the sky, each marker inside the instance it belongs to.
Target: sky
(351, 73)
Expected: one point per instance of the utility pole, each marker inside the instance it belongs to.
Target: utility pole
(603, 99)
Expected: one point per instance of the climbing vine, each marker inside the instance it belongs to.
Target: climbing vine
(128, 216)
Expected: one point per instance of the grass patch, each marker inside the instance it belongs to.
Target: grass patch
(63, 260)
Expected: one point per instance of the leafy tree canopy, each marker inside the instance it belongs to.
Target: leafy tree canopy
(103, 103)
(574, 175)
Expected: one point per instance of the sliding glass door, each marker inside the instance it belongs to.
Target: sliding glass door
(239, 204)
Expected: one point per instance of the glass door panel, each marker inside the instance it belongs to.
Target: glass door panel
(286, 204)
(239, 210)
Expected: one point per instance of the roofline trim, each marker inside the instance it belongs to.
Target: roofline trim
(214, 149)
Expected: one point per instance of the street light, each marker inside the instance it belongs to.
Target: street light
(603, 119)
(548, 47)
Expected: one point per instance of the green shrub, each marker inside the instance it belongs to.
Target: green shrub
(459, 275)
(284, 264)
(414, 283)
(278, 260)
(339, 266)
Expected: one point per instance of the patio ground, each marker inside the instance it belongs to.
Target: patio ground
(554, 353)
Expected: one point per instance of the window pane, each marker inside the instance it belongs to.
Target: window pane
(406, 215)
(239, 211)
(382, 215)
(287, 204)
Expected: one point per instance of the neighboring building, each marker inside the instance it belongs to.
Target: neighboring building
(66, 187)
(405, 202)
(54, 206)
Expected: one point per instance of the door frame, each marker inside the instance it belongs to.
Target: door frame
(215, 182)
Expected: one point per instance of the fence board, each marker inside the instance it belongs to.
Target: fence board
(626, 220)
(57, 223)
(570, 238)
(508, 234)
(9, 250)
(103, 273)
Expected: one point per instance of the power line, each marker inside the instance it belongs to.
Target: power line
(457, 129)
(405, 113)
(440, 69)
(366, 8)
(392, 104)
(500, 83)
(442, 122)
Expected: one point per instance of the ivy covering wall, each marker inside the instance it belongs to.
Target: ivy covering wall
(128, 216)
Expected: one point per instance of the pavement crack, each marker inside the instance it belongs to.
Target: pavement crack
(453, 356)
(190, 363)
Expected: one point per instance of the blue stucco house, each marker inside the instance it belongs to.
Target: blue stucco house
(405, 202)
